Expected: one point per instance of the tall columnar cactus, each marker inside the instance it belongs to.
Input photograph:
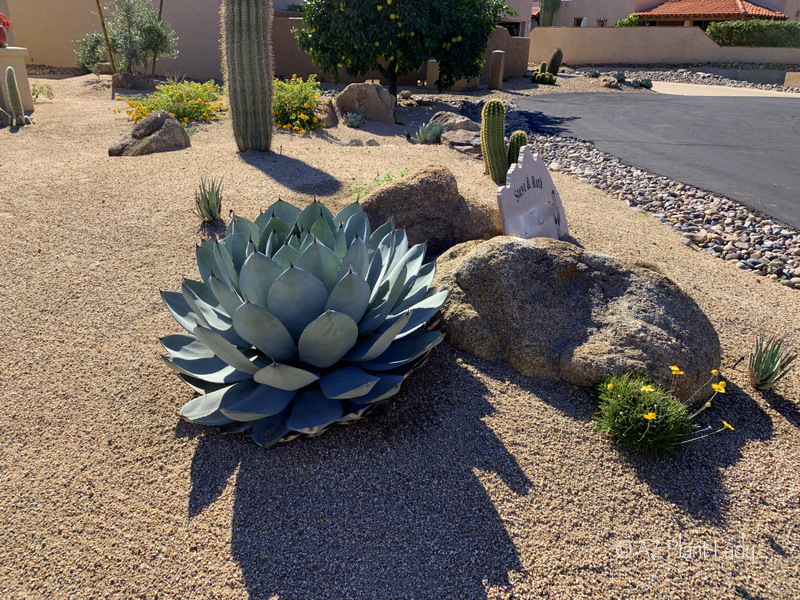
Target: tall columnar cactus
(547, 8)
(517, 140)
(247, 53)
(555, 61)
(493, 146)
(13, 93)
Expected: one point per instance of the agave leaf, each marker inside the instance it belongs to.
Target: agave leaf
(387, 387)
(285, 377)
(340, 244)
(295, 240)
(404, 351)
(276, 229)
(372, 346)
(400, 249)
(206, 263)
(180, 310)
(310, 213)
(262, 400)
(180, 345)
(202, 292)
(284, 211)
(200, 386)
(355, 258)
(269, 431)
(215, 419)
(323, 232)
(296, 298)
(420, 313)
(319, 260)
(210, 317)
(237, 247)
(376, 316)
(212, 370)
(347, 382)
(261, 220)
(312, 411)
(257, 276)
(352, 412)
(380, 234)
(378, 269)
(225, 270)
(228, 298)
(327, 339)
(208, 404)
(350, 296)
(261, 329)
(357, 226)
(225, 350)
(242, 225)
(419, 288)
(286, 255)
(411, 260)
(348, 211)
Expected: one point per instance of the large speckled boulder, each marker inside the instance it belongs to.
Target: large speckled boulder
(427, 205)
(157, 132)
(455, 122)
(553, 310)
(371, 100)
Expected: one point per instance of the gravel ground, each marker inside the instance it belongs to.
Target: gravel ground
(475, 483)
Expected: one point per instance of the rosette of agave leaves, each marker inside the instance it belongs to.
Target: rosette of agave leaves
(302, 319)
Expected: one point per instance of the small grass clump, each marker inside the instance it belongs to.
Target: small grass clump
(361, 191)
(641, 415)
(187, 101)
(41, 89)
(769, 362)
(295, 103)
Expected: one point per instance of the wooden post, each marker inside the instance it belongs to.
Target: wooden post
(105, 34)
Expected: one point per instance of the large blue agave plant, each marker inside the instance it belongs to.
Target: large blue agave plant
(302, 319)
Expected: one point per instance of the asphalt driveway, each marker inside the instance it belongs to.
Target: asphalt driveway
(746, 148)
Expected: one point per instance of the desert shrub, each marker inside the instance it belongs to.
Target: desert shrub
(136, 33)
(361, 191)
(41, 89)
(756, 33)
(186, 101)
(629, 21)
(91, 50)
(295, 104)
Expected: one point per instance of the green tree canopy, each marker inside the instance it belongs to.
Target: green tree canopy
(398, 36)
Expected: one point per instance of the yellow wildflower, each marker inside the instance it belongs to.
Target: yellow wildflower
(302, 132)
(675, 370)
(714, 372)
(610, 386)
(647, 389)
(649, 416)
(316, 119)
(728, 425)
(718, 387)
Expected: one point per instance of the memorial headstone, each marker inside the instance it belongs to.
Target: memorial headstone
(529, 202)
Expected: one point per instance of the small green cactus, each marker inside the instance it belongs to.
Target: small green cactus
(16, 102)
(496, 158)
(517, 140)
(619, 76)
(543, 67)
(353, 119)
(430, 133)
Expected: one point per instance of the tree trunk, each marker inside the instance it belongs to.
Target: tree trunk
(392, 70)
(105, 34)
(155, 54)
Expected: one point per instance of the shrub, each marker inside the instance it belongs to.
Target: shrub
(769, 362)
(186, 101)
(41, 89)
(137, 33)
(295, 104)
(641, 415)
(630, 21)
(756, 33)
(91, 50)
(361, 191)
(619, 76)
(302, 320)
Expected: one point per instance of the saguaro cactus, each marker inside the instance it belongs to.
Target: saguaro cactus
(517, 140)
(247, 52)
(547, 9)
(13, 93)
(493, 145)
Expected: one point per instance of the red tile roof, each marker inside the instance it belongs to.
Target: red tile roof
(535, 9)
(709, 9)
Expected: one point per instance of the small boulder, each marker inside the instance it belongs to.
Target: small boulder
(427, 205)
(405, 94)
(370, 100)
(454, 121)
(462, 138)
(130, 81)
(5, 119)
(554, 310)
(157, 132)
(371, 142)
(608, 82)
(327, 114)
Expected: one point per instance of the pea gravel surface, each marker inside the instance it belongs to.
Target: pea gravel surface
(475, 483)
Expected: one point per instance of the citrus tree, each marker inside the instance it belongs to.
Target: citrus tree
(398, 36)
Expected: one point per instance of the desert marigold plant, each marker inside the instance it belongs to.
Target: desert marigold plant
(295, 104)
(187, 101)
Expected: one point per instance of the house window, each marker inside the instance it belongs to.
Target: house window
(602, 22)
(577, 21)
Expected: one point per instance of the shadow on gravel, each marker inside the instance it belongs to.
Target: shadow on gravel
(789, 410)
(544, 124)
(292, 173)
(389, 507)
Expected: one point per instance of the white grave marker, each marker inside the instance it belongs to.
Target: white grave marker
(529, 202)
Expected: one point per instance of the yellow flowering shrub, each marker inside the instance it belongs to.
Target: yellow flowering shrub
(187, 101)
(295, 103)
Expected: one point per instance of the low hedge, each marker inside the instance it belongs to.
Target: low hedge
(756, 33)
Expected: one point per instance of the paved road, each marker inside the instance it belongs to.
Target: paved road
(745, 148)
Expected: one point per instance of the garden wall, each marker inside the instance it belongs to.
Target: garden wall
(646, 45)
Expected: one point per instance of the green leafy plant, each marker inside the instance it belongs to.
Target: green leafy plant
(647, 418)
(41, 89)
(302, 319)
(594, 73)
(137, 33)
(395, 38)
(496, 157)
(295, 8)
(630, 21)
(295, 104)
(91, 51)
(187, 101)
(352, 119)
(620, 76)
(430, 133)
(362, 191)
(208, 200)
(756, 32)
(769, 362)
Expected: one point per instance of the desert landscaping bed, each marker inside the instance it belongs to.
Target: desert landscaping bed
(475, 482)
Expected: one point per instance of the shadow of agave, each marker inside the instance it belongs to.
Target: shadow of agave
(389, 507)
(292, 173)
(788, 409)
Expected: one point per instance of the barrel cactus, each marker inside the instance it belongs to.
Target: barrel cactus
(302, 319)
(353, 119)
(554, 64)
